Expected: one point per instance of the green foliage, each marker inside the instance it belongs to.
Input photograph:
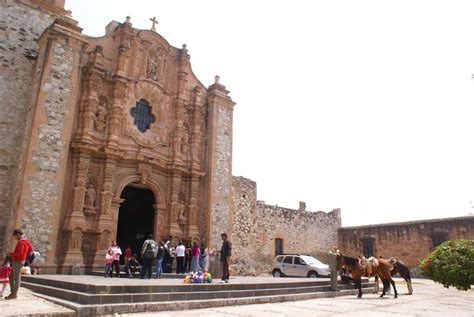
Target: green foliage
(451, 264)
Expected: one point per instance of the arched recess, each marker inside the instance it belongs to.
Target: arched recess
(135, 232)
(154, 187)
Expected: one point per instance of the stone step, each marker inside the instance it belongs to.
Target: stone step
(136, 275)
(128, 308)
(110, 298)
(99, 286)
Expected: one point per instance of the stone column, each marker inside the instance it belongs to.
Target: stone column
(159, 227)
(219, 165)
(116, 112)
(192, 218)
(75, 222)
(173, 226)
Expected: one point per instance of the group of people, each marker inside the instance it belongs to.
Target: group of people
(190, 258)
(10, 271)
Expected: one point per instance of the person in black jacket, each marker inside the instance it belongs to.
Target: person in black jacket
(226, 253)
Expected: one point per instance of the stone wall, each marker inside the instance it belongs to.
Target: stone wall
(257, 225)
(49, 152)
(20, 29)
(221, 211)
(408, 241)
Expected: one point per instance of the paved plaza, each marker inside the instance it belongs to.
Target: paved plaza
(429, 299)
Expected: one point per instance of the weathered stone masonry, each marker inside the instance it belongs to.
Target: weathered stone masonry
(20, 29)
(408, 241)
(257, 225)
(50, 152)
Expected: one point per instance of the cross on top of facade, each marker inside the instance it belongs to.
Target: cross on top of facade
(153, 21)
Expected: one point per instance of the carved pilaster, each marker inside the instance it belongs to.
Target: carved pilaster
(174, 205)
(115, 113)
(193, 215)
(75, 222)
(125, 47)
(106, 194)
(160, 214)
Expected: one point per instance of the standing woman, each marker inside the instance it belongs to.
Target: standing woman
(159, 259)
(116, 253)
(187, 258)
(195, 251)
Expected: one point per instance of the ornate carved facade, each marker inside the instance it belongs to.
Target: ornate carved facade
(134, 115)
(112, 138)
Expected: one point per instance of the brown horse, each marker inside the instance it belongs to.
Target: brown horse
(359, 270)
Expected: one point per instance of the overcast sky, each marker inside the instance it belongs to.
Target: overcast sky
(365, 106)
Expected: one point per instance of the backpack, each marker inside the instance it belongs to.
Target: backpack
(151, 249)
(161, 253)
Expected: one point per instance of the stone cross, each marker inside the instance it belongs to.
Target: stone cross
(153, 21)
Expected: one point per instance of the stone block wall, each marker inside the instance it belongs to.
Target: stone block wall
(20, 29)
(408, 241)
(257, 225)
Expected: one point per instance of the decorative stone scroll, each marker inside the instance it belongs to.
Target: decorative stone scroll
(145, 171)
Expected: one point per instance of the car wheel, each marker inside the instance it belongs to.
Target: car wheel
(313, 274)
(277, 273)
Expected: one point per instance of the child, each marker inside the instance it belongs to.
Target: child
(5, 275)
(109, 258)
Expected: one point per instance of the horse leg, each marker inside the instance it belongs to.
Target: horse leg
(359, 286)
(394, 288)
(376, 286)
(384, 282)
(410, 288)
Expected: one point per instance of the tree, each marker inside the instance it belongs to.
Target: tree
(451, 264)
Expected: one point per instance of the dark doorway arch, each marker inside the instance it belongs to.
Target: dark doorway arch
(136, 217)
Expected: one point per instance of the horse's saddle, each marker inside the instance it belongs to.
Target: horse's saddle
(369, 264)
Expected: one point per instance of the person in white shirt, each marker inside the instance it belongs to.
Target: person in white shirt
(116, 252)
(180, 251)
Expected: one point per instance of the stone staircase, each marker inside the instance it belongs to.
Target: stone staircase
(137, 275)
(102, 298)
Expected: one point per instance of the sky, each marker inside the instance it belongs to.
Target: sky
(367, 106)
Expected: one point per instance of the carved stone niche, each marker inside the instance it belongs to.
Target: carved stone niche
(101, 114)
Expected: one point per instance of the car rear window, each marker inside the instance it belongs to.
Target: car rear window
(288, 259)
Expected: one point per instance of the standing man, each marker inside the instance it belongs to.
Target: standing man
(180, 251)
(18, 257)
(226, 253)
(149, 252)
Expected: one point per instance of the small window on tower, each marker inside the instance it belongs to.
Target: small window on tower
(142, 115)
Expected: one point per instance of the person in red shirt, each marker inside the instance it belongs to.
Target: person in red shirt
(18, 257)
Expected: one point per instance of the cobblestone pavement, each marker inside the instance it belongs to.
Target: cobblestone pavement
(429, 299)
(27, 304)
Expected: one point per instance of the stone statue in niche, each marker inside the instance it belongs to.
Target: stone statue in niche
(181, 215)
(184, 144)
(101, 114)
(152, 68)
(90, 197)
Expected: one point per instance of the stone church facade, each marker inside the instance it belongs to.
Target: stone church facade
(99, 132)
